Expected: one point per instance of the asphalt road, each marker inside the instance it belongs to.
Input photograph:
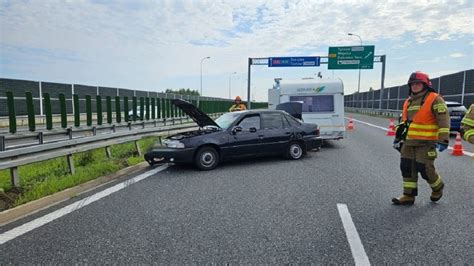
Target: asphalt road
(267, 210)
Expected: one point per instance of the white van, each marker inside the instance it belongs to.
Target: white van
(323, 102)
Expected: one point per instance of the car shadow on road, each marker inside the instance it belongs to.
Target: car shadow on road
(331, 144)
(263, 160)
(244, 162)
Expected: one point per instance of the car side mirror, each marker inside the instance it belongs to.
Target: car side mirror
(252, 130)
(236, 129)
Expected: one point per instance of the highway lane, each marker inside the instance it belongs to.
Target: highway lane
(404, 234)
(268, 210)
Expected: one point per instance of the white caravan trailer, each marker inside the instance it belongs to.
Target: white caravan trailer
(323, 102)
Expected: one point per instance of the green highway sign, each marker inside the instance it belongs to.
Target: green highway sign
(351, 57)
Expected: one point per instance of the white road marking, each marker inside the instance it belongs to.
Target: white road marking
(466, 153)
(357, 249)
(369, 124)
(27, 227)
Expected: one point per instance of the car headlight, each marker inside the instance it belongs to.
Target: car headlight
(176, 144)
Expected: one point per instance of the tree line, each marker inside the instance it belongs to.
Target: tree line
(183, 91)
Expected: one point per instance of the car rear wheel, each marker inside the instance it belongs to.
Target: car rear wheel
(294, 151)
(207, 158)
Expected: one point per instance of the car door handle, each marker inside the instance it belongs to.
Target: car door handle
(260, 136)
(288, 133)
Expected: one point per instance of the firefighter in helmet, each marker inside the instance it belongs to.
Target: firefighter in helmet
(238, 105)
(424, 131)
(467, 125)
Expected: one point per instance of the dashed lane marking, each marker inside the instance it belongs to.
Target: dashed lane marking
(357, 249)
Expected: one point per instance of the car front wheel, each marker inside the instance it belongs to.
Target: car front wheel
(295, 151)
(207, 158)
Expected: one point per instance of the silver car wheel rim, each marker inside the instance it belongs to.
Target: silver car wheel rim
(207, 158)
(295, 151)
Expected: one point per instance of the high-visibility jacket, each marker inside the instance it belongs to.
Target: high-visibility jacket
(237, 107)
(467, 125)
(424, 125)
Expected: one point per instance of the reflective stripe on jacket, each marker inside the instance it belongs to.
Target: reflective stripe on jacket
(467, 125)
(424, 125)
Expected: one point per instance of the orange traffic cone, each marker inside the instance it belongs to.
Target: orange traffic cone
(457, 149)
(391, 128)
(351, 124)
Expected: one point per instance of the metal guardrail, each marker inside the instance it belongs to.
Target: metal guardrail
(27, 138)
(19, 156)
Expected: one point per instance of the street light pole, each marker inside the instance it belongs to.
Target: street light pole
(230, 84)
(358, 83)
(202, 60)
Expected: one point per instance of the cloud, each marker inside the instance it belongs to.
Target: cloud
(457, 55)
(140, 43)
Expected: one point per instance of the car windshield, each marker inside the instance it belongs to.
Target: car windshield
(225, 120)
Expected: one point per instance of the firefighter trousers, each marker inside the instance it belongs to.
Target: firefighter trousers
(419, 160)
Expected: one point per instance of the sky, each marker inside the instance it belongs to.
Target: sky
(159, 45)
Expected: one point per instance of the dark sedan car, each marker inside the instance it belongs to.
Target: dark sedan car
(457, 112)
(236, 134)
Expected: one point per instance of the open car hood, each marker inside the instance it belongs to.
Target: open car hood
(295, 109)
(195, 113)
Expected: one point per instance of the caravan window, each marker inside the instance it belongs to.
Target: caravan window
(315, 104)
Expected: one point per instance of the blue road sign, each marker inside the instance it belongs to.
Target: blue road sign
(306, 61)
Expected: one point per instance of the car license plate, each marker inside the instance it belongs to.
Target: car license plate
(455, 117)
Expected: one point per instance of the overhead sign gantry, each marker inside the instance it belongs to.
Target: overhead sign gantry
(346, 57)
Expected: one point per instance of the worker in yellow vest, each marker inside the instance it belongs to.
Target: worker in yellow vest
(238, 105)
(424, 129)
(467, 125)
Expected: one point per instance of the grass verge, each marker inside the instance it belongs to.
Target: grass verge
(48, 177)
